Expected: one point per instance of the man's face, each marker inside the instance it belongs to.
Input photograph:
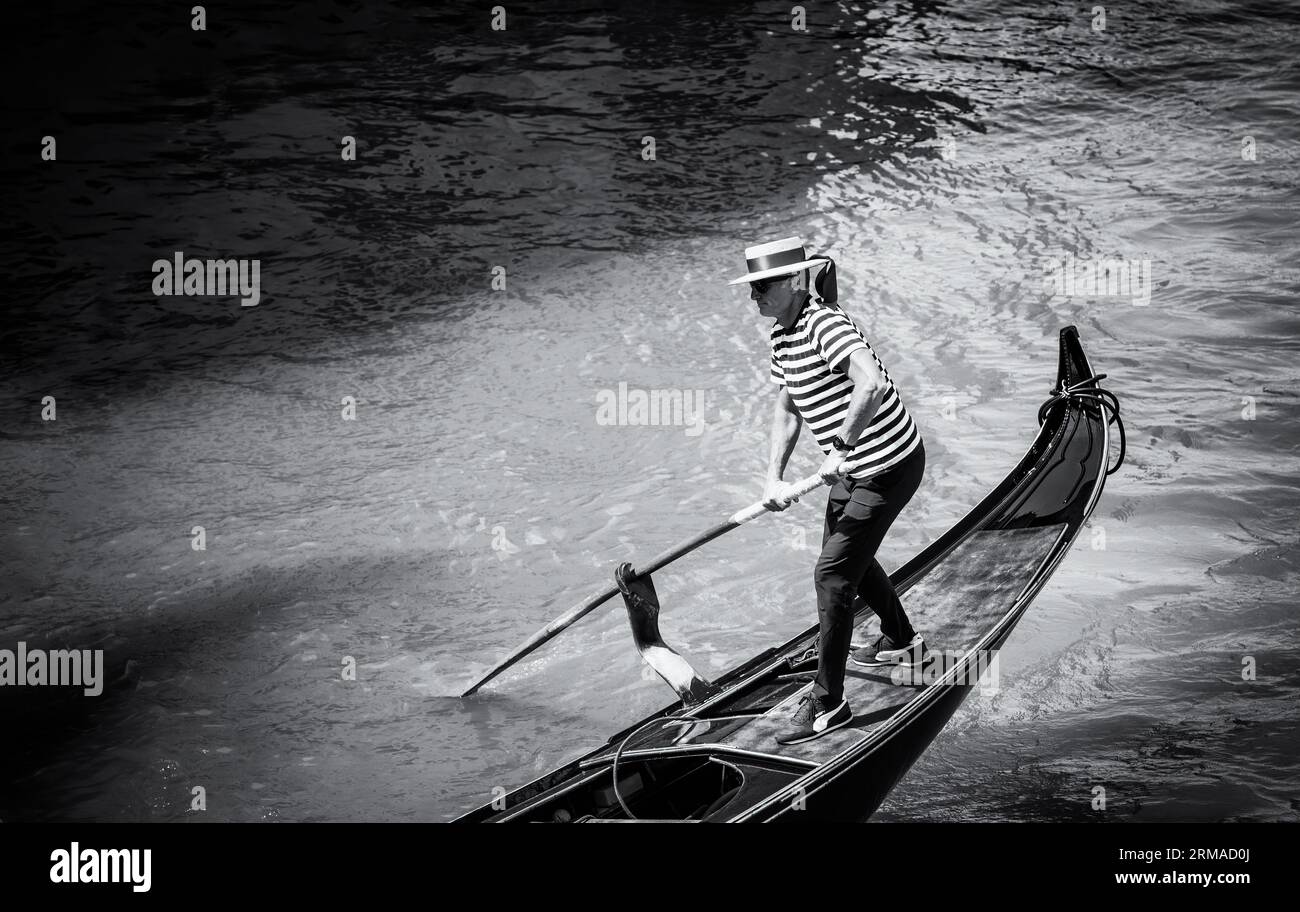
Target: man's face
(773, 296)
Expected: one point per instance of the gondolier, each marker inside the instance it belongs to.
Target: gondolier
(832, 380)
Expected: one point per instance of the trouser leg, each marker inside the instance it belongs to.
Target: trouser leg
(878, 592)
(857, 517)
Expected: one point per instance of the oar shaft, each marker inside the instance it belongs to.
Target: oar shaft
(739, 518)
(588, 605)
(667, 557)
(541, 636)
(811, 483)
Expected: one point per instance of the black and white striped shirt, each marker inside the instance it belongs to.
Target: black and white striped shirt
(811, 360)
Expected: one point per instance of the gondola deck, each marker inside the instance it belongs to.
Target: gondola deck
(955, 606)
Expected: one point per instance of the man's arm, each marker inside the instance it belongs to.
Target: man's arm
(786, 423)
(868, 392)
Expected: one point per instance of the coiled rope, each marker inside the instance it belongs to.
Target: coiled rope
(1103, 397)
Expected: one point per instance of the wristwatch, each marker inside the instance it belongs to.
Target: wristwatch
(837, 443)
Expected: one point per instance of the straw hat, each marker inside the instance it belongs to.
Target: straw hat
(778, 258)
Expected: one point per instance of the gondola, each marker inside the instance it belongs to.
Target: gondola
(712, 755)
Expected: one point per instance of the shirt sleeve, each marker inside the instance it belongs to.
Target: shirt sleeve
(778, 373)
(837, 338)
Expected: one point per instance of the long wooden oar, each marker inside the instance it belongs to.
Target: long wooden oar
(811, 483)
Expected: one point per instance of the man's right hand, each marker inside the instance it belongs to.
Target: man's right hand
(777, 496)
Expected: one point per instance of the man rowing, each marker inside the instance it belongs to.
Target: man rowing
(832, 380)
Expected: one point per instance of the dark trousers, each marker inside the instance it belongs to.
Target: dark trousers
(858, 514)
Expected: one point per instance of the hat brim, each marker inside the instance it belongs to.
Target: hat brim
(789, 269)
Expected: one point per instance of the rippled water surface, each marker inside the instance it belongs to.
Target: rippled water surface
(943, 153)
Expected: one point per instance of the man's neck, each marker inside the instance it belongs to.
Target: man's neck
(791, 317)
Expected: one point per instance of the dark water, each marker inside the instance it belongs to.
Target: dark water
(942, 153)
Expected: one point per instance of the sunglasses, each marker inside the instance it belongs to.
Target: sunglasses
(762, 285)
